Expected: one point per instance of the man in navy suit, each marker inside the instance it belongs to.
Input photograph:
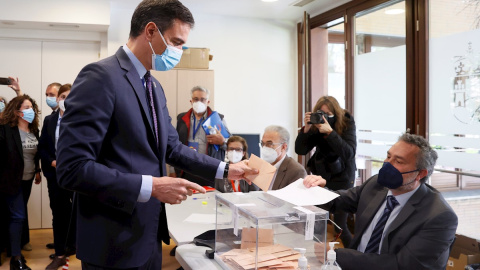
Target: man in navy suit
(401, 222)
(115, 139)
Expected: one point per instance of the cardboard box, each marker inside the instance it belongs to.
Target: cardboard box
(465, 251)
(196, 58)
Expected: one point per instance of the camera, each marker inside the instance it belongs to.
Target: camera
(317, 117)
(5, 81)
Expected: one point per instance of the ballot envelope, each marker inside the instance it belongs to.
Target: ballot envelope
(259, 231)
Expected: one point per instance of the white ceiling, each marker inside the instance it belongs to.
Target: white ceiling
(281, 9)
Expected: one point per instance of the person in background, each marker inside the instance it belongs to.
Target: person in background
(19, 167)
(191, 133)
(402, 222)
(334, 159)
(60, 199)
(51, 94)
(237, 150)
(3, 104)
(274, 146)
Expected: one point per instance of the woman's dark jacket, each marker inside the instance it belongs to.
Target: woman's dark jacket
(11, 159)
(330, 149)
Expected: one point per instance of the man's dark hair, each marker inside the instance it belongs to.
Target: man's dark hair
(426, 157)
(161, 12)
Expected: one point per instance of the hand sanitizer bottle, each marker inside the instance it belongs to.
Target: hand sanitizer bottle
(302, 261)
(331, 259)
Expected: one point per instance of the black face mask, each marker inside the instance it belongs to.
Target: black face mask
(390, 177)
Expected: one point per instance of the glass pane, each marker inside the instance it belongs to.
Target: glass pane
(379, 81)
(454, 105)
(328, 61)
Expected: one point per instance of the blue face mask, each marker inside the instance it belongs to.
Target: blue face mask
(28, 115)
(168, 59)
(2, 106)
(52, 102)
(390, 177)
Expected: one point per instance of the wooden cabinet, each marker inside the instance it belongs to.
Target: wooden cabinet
(177, 84)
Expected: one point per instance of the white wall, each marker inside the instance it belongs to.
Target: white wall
(254, 62)
(93, 12)
(254, 59)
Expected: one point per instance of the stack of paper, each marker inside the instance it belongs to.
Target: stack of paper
(269, 257)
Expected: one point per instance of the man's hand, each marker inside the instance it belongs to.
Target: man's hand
(173, 190)
(313, 181)
(15, 86)
(239, 170)
(54, 164)
(217, 139)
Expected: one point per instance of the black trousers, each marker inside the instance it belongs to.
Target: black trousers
(153, 263)
(26, 186)
(61, 205)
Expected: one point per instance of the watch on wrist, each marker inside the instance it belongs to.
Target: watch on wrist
(225, 172)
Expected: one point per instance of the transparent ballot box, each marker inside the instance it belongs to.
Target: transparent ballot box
(259, 231)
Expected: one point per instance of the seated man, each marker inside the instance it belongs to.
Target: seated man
(274, 145)
(402, 222)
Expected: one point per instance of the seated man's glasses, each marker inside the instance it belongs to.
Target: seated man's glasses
(268, 144)
(239, 150)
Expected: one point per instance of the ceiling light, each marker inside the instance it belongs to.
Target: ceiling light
(394, 11)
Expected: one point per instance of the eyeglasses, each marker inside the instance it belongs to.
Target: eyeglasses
(268, 144)
(203, 100)
(235, 149)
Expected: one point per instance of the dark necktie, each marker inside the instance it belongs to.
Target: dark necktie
(374, 242)
(148, 84)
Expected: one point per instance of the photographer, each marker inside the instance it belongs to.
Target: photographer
(331, 130)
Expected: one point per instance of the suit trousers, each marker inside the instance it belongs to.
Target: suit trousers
(153, 263)
(61, 205)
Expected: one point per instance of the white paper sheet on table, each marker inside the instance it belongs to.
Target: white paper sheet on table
(296, 193)
(201, 218)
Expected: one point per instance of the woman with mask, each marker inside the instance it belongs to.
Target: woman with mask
(3, 104)
(331, 130)
(60, 199)
(236, 151)
(19, 167)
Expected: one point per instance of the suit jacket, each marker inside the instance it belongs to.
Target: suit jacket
(46, 145)
(183, 129)
(289, 172)
(418, 238)
(11, 159)
(106, 144)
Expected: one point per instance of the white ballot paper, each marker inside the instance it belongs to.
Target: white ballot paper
(296, 193)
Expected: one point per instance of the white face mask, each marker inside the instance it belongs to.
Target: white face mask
(61, 105)
(269, 154)
(234, 156)
(199, 107)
